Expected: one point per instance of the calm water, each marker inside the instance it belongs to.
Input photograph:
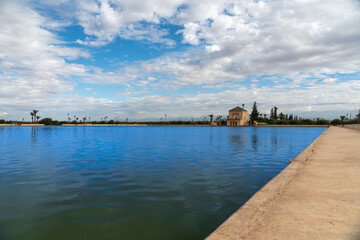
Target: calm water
(135, 182)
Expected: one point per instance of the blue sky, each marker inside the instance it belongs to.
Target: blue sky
(141, 60)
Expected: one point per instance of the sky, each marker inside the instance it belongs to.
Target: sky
(187, 59)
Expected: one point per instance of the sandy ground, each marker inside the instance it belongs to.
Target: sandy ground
(316, 197)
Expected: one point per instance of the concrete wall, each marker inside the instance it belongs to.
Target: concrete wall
(352, 126)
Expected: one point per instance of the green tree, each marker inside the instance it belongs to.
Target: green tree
(336, 122)
(211, 117)
(255, 113)
(32, 116)
(282, 116)
(46, 121)
(275, 113)
(35, 116)
(219, 119)
(342, 120)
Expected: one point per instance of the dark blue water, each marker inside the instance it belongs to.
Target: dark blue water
(135, 182)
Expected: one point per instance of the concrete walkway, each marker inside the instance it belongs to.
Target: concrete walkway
(316, 197)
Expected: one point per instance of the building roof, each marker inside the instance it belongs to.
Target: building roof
(238, 109)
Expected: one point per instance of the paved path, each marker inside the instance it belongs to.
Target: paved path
(316, 197)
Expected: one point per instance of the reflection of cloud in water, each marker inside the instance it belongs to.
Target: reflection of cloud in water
(238, 142)
(177, 176)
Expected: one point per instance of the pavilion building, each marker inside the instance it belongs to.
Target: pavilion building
(237, 117)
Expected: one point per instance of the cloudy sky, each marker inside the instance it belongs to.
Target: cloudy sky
(143, 59)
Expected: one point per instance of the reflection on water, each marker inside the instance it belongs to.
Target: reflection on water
(254, 139)
(34, 134)
(237, 142)
(134, 182)
(274, 142)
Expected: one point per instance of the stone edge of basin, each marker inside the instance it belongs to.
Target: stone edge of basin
(240, 223)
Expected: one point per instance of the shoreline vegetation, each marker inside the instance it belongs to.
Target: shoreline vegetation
(163, 124)
(259, 123)
(273, 123)
(256, 119)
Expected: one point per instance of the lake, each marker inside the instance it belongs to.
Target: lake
(135, 182)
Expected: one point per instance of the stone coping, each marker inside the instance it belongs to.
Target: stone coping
(352, 126)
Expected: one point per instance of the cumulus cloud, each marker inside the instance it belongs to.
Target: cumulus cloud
(233, 39)
(324, 99)
(298, 52)
(138, 20)
(33, 61)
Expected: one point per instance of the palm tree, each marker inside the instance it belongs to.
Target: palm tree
(275, 113)
(32, 116)
(37, 118)
(211, 117)
(342, 120)
(35, 112)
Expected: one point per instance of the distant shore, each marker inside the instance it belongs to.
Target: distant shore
(22, 125)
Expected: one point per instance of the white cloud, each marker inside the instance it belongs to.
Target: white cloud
(106, 20)
(234, 39)
(324, 99)
(32, 59)
(292, 46)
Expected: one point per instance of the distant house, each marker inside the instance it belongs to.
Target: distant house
(237, 117)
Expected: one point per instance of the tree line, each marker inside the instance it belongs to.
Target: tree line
(283, 118)
(273, 118)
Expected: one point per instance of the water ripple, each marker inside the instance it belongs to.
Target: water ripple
(135, 182)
